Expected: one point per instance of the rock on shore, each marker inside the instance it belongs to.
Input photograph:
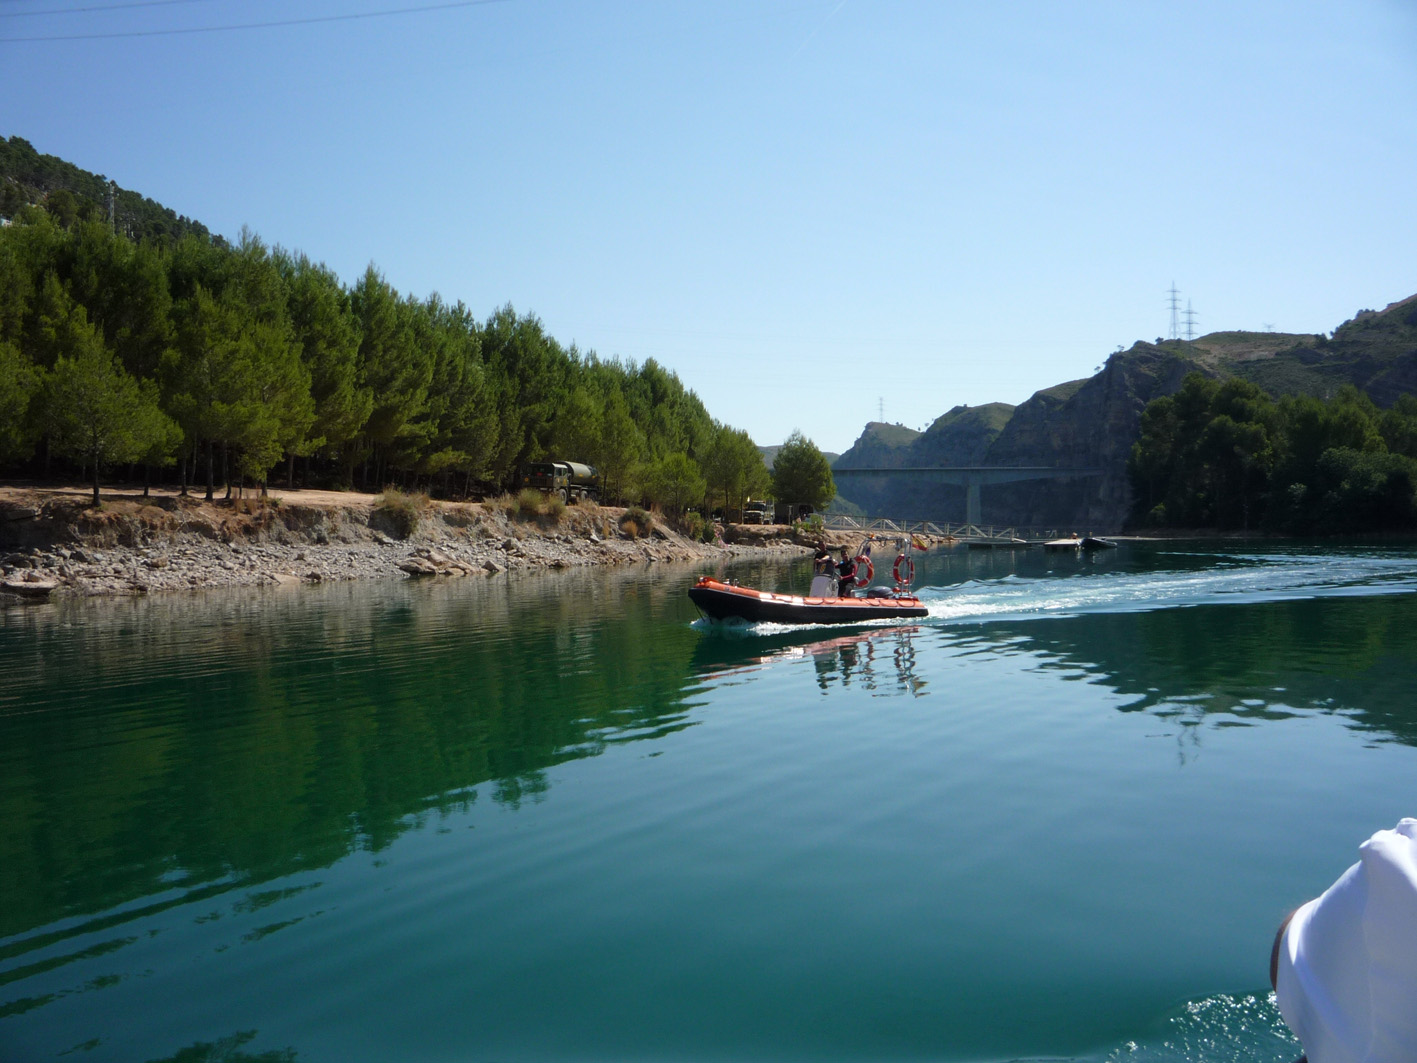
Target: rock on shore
(133, 545)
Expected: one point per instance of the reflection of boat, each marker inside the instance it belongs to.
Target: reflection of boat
(726, 601)
(842, 660)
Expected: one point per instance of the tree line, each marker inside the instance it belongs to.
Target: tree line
(1224, 454)
(207, 363)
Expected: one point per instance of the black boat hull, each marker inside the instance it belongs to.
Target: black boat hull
(719, 601)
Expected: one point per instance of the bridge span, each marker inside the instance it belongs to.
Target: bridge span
(974, 477)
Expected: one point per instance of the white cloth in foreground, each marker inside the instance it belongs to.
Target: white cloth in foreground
(1347, 979)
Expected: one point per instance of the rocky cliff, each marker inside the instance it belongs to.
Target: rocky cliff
(1083, 424)
(962, 436)
(1093, 423)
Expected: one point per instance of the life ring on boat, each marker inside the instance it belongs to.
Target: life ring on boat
(864, 563)
(904, 570)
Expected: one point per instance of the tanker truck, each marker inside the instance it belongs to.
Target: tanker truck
(569, 479)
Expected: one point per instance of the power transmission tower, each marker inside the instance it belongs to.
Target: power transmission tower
(881, 409)
(1175, 312)
(112, 190)
(1190, 322)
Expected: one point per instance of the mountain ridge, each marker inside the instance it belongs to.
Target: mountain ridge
(1093, 422)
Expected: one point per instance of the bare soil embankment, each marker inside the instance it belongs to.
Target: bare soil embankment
(53, 541)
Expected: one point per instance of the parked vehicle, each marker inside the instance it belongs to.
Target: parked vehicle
(791, 512)
(571, 480)
(757, 512)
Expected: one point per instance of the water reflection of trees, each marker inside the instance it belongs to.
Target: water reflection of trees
(161, 748)
(1236, 664)
(229, 1050)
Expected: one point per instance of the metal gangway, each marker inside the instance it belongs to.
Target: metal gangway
(980, 534)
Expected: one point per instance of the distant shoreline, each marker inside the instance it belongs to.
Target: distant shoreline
(52, 542)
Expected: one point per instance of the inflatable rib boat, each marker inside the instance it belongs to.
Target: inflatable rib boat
(727, 601)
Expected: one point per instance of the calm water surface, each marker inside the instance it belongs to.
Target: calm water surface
(558, 818)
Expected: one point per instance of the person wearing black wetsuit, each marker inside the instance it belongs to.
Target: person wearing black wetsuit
(846, 574)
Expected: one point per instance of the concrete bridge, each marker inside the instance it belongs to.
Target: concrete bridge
(973, 477)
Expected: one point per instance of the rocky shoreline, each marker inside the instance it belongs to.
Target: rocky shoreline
(53, 543)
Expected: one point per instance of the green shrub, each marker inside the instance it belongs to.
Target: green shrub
(692, 525)
(528, 503)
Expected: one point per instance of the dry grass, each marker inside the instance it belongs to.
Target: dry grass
(400, 511)
(636, 523)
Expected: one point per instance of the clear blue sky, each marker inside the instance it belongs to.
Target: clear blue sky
(802, 208)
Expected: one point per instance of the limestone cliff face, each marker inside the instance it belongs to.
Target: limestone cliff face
(1085, 423)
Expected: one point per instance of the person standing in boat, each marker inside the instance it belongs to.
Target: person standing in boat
(845, 574)
(822, 560)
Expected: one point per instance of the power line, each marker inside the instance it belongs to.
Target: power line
(103, 7)
(254, 25)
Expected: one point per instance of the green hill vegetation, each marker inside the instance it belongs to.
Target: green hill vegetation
(70, 194)
(204, 362)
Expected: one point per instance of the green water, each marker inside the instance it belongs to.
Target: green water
(557, 818)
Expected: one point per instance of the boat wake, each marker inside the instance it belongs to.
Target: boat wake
(1217, 1029)
(1230, 579)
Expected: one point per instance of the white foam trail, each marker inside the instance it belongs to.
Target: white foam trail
(1228, 579)
(1225, 578)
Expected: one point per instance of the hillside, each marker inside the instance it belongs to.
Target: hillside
(28, 178)
(962, 436)
(249, 364)
(1093, 423)
(1376, 351)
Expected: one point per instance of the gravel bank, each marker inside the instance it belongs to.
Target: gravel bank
(53, 543)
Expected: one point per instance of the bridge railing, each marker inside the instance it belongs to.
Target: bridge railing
(940, 529)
